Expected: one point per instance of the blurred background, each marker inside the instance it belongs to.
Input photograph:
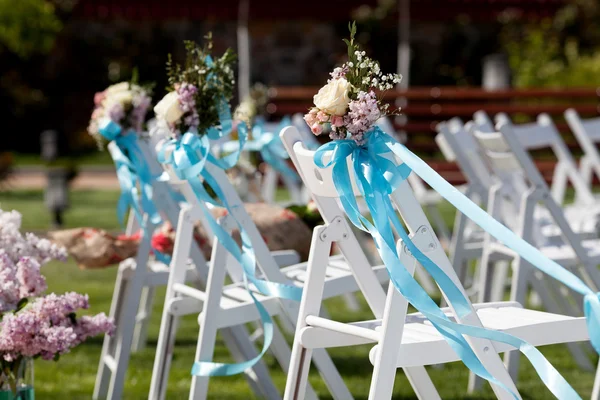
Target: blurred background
(57, 53)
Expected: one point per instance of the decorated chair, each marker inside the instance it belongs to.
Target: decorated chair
(404, 340)
(222, 306)
(134, 288)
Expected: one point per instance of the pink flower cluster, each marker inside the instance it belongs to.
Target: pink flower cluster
(186, 93)
(124, 103)
(15, 246)
(48, 327)
(362, 115)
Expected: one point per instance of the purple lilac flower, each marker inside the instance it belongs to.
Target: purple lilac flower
(364, 111)
(116, 112)
(31, 281)
(187, 101)
(47, 328)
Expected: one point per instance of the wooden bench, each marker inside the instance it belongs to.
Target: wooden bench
(427, 106)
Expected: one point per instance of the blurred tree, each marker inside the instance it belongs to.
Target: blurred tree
(559, 52)
(28, 26)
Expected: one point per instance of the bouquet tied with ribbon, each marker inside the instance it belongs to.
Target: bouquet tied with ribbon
(348, 108)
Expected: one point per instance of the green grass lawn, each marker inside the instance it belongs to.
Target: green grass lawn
(73, 376)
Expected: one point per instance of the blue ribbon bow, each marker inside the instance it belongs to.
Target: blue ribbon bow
(189, 160)
(377, 176)
(131, 171)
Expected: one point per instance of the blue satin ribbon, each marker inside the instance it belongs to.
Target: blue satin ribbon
(377, 176)
(270, 147)
(188, 160)
(131, 170)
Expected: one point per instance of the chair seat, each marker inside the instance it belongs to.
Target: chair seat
(423, 345)
(238, 306)
(565, 255)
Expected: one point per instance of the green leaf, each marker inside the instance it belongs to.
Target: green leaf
(21, 304)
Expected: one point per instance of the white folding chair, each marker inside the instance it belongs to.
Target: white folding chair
(587, 133)
(401, 340)
(221, 306)
(133, 294)
(519, 191)
(582, 214)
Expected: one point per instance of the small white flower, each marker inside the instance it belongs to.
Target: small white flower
(363, 65)
(350, 64)
(375, 81)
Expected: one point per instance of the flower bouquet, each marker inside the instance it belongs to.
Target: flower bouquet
(348, 106)
(125, 104)
(34, 325)
(198, 91)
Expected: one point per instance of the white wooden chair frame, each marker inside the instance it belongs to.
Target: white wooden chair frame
(513, 196)
(134, 292)
(221, 306)
(400, 340)
(587, 133)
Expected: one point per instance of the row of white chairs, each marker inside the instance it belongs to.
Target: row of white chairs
(401, 340)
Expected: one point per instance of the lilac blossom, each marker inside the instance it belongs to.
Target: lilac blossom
(48, 327)
(364, 111)
(187, 100)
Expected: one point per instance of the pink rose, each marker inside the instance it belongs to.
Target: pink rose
(337, 121)
(316, 128)
(310, 119)
(321, 116)
(98, 97)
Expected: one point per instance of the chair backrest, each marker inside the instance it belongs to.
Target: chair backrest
(457, 144)
(320, 184)
(265, 261)
(587, 133)
(544, 134)
(519, 176)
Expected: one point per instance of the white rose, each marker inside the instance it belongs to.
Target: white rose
(123, 97)
(333, 98)
(119, 87)
(169, 108)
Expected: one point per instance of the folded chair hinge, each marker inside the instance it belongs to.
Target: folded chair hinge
(335, 231)
(424, 239)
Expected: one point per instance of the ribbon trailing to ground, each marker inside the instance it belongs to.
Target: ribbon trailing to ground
(132, 170)
(189, 158)
(377, 175)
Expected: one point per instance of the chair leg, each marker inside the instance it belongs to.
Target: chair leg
(596, 390)
(386, 357)
(109, 343)
(236, 339)
(164, 355)
(297, 378)
(539, 285)
(117, 349)
(421, 383)
(208, 330)
(521, 273)
(140, 333)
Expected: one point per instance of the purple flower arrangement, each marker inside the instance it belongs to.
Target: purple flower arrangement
(33, 324)
(348, 105)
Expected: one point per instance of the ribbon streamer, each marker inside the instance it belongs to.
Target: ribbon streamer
(189, 159)
(131, 170)
(377, 176)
